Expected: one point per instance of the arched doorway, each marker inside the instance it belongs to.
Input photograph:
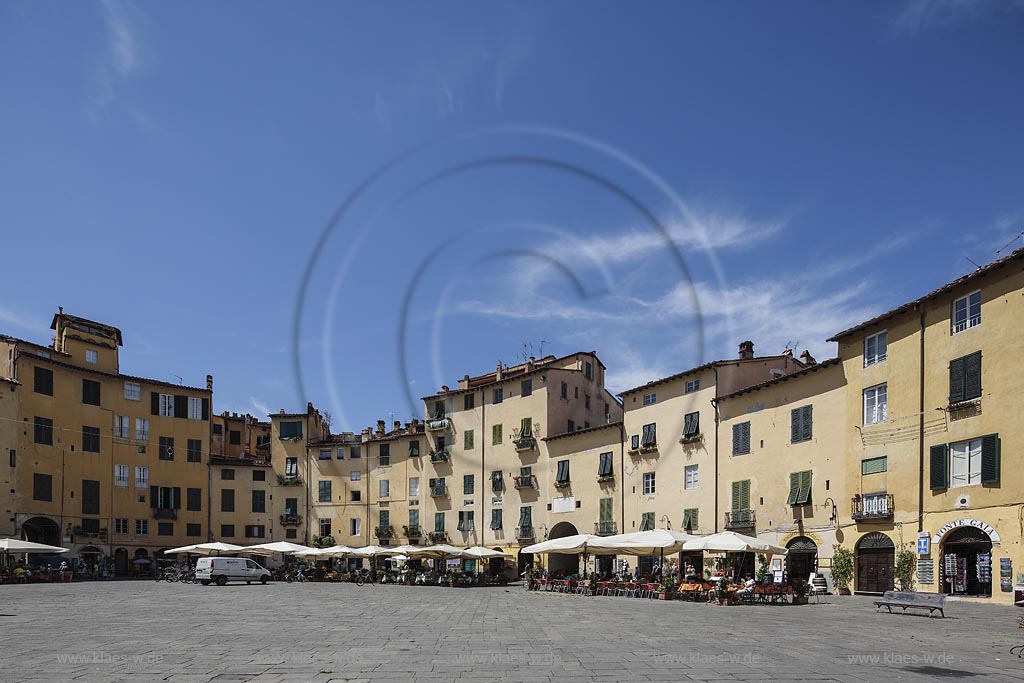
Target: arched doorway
(141, 564)
(802, 558)
(525, 560)
(41, 530)
(92, 558)
(876, 557)
(563, 565)
(967, 562)
(121, 561)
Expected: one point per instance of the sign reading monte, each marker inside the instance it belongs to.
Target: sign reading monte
(957, 523)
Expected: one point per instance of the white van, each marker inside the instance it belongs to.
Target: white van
(220, 570)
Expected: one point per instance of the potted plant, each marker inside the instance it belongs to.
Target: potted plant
(842, 568)
(906, 565)
(762, 568)
(592, 584)
(666, 589)
(799, 592)
(722, 590)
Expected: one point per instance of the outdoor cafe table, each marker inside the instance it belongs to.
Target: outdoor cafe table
(773, 593)
(692, 591)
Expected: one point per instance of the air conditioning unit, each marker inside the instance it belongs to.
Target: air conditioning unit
(963, 501)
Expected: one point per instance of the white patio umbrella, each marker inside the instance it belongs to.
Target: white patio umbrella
(567, 545)
(18, 546)
(312, 552)
(283, 547)
(215, 548)
(336, 551)
(732, 542)
(649, 542)
(370, 551)
(400, 550)
(481, 553)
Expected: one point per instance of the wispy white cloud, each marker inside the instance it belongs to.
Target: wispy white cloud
(13, 318)
(260, 406)
(918, 16)
(120, 60)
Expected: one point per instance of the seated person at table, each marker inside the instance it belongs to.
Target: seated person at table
(748, 585)
(691, 573)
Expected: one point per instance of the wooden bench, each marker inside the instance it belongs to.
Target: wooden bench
(929, 601)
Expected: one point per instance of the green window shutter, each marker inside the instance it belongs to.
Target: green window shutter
(794, 488)
(972, 376)
(746, 437)
(804, 496)
(496, 518)
(736, 495)
(990, 459)
(438, 521)
(807, 422)
(956, 380)
(794, 425)
(939, 477)
(745, 494)
(605, 510)
(647, 521)
(690, 520)
(467, 437)
(467, 483)
(496, 435)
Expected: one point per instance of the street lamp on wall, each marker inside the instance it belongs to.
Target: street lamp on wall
(668, 522)
(545, 528)
(834, 515)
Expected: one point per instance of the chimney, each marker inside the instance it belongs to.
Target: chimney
(807, 358)
(366, 433)
(530, 364)
(282, 411)
(497, 373)
(398, 425)
(746, 349)
(380, 427)
(209, 382)
(309, 407)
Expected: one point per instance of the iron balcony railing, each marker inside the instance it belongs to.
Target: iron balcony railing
(875, 506)
(439, 491)
(439, 424)
(525, 443)
(165, 513)
(525, 481)
(740, 519)
(525, 533)
(413, 530)
(384, 531)
(606, 528)
(438, 536)
(440, 455)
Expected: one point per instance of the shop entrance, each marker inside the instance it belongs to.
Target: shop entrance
(876, 557)
(802, 559)
(967, 562)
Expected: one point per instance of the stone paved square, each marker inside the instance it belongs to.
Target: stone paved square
(150, 631)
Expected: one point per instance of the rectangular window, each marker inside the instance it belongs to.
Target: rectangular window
(439, 522)
(43, 381)
(647, 521)
(291, 506)
(142, 527)
(526, 387)
(966, 312)
(194, 500)
(741, 495)
(466, 520)
(496, 435)
(691, 478)
(91, 439)
(649, 438)
(14, 457)
(255, 531)
(570, 426)
(468, 484)
(90, 497)
(965, 378)
(141, 477)
(325, 527)
(355, 475)
(195, 408)
(291, 467)
(259, 475)
(384, 488)
(355, 526)
(43, 431)
(965, 462)
(741, 438)
(414, 487)
(291, 429)
(499, 394)
(691, 520)
(467, 440)
(324, 491)
(259, 501)
(122, 427)
(604, 465)
(166, 405)
(227, 530)
(121, 475)
(325, 454)
(91, 356)
(691, 425)
(227, 500)
(496, 519)
(193, 530)
(121, 525)
(141, 429)
(588, 370)
(469, 401)
(650, 399)
(526, 427)
(90, 526)
(634, 442)
(414, 448)
(42, 487)
(385, 455)
(874, 465)
(692, 386)
(497, 481)
(132, 391)
(414, 518)
(234, 437)
(586, 401)
(526, 520)
(194, 450)
(354, 453)
(801, 424)
(648, 483)
(90, 392)
(564, 395)
(875, 347)
(799, 488)
(439, 410)
(562, 476)
(166, 448)
(876, 405)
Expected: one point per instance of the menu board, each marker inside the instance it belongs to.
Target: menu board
(1005, 575)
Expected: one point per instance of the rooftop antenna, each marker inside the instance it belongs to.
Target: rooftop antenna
(181, 380)
(540, 350)
(972, 261)
(1010, 243)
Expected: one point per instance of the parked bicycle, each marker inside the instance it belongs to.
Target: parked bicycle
(298, 576)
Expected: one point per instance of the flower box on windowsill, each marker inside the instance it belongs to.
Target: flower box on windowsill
(562, 484)
(606, 478)
(288, 481)
(633, 451)
(964, 405)
(650, 448)
(693, 438)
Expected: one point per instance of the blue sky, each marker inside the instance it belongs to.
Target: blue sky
(656, 182)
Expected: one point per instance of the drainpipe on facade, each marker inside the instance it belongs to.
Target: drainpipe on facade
(483, 468)
(622, 473)
(714, 402)
(920, 431)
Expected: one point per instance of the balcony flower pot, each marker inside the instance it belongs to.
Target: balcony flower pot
(687, 440)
